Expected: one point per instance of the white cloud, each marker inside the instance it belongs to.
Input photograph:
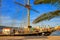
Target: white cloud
(7, 21)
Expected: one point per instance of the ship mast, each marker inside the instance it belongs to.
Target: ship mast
(28, 13)
(28, 10)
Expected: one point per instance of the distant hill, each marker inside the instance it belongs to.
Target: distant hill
(7, 27)
(2, 27)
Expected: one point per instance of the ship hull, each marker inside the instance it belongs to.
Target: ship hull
(33, 34)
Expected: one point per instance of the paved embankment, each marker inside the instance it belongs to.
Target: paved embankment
(29, 38)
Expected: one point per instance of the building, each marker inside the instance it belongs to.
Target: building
(57, 28)
(6, 30)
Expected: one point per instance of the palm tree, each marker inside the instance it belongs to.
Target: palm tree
(47, 16)
(53, 2)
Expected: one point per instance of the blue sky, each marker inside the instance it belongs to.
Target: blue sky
(15, 15)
